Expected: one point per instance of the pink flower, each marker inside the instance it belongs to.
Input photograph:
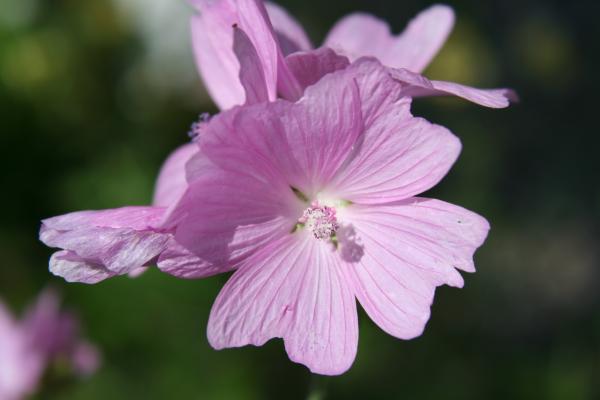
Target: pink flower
(313, 204)
(97, 245)
(267, 54)
(28, 347)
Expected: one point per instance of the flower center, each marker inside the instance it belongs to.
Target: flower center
(320, 220)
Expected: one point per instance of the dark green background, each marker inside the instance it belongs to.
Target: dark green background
(93, 97)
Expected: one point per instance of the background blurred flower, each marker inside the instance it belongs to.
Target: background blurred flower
(32, 347)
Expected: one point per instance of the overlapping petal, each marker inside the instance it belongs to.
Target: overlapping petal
(213, 40)
(290, 33)
(252, 75)
(293, 289)
(397, 155)
(310, 66)
(419, 86)
(120, 241)
(360, 34)
(405, 250)
(171, 182)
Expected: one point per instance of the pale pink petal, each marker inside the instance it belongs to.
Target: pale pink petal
(176, 260)
(212, 36)
(121, 240)
(360, 34)
(402, 251)
(294, 289)
(252, 75)
(289, 32)
(419, 86)
(422, 39)
(212, 40)
(136, 273)
(310, 66)
(238, 214)
(72, 268)
(139, 218)
(282, 144)
(171, 182)
(398, 159)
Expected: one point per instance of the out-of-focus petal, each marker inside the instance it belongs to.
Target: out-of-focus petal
(310, 66)
(85, 358)
(290, 33)
(419, 86)
(402, 252)
(252, 76)
(293, 289)
(422, 39)
(171, 182)
(360, 34)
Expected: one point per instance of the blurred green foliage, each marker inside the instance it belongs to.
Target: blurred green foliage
(95, 94)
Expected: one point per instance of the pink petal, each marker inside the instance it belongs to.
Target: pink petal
(422, 39)
(212, 36)
(419, 86)
(310, 66)
(361, 34)
(171, 182)
(402, 251)
(358, 35)
(290, 33)
(121, 240)
(224, 217)
(72, 268)
(180, 262)
(251, 73)
(212, 40)
(293, 289)
(300, 145)
(399, 158)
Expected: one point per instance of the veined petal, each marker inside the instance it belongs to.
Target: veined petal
(178, 261)
(171, 182)
(212, 36)
(419, 86)
(310, 66)
(397, 159)
(121, 240)
(293, 289)
(224, 217)
(212, 41)
(405, 250)
(359, 34)
(252, 75)
(284, 144)
(290, 33)
(72, 268)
